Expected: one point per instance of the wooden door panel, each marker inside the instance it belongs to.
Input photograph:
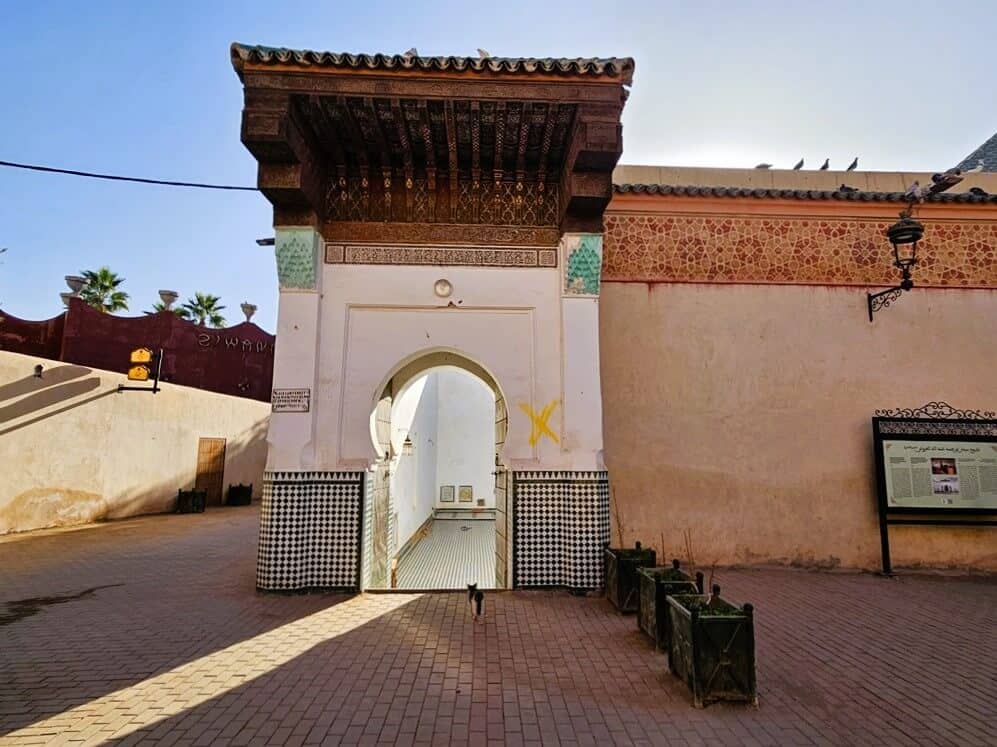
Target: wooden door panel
(211, 469)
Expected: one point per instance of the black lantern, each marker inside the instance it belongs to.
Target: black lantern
(905, 233)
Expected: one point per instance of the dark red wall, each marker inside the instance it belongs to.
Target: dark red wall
(41, 339)
(235, 360)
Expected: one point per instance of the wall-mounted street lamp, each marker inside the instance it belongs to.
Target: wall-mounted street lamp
(905, 233)
(407, 447)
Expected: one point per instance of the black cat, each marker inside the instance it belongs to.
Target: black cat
(476, 602)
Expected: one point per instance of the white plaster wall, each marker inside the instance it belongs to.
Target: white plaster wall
(374, 319)
(74, 450)
(413, 480)
(466, 436)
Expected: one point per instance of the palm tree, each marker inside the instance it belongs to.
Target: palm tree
(203, 307)
(180, 311)
(102, 292)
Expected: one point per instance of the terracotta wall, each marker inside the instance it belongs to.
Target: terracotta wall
(740, 411)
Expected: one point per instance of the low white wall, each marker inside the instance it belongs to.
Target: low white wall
(466, 428)
(413, 479)
(74, 450)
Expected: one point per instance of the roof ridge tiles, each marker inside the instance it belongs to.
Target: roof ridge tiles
(621, 67)
(799, 194)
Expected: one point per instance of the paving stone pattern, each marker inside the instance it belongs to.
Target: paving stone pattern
(178, 648)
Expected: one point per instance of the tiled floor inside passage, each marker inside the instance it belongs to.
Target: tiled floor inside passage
(149, 631)
(452, 554)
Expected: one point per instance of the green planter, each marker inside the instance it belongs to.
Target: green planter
(655, 584)
(191, 501)
(239, 495)
(620, 579)
(713, 648)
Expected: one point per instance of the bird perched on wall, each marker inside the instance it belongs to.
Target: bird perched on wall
(411, 53)
(764, 166)
(846, 189)
(483, 54)
(915, 192)
(946, 180)
(826, 165)
(979, 192)
(853, 165)
(799, 165)
(976, 169)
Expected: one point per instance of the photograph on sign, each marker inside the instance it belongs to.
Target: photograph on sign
(138, 373)
(446, 493)
(465, 494)
(142, 355)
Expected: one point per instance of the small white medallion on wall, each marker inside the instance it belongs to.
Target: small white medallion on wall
(442, 288)
(446, 493)
(466, 494)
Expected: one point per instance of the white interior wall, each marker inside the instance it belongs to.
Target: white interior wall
(413, 478)
(466, 453)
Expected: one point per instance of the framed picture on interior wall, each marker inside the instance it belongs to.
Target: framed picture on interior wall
(466, 494)
(446, 493)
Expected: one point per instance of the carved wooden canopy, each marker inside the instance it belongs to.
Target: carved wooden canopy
(440, 148)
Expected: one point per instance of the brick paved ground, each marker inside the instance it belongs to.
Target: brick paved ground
(179, 649)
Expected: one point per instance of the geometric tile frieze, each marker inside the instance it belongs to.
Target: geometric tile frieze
(773, 249)
(475, 256)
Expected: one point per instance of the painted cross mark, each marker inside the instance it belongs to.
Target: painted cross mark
(539, 420)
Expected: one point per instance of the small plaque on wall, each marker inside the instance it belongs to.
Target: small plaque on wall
(446, 493)
(291, 400)
(466, 494)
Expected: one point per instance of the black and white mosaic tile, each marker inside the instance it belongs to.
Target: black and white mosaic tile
(310, 524)
(561, 523)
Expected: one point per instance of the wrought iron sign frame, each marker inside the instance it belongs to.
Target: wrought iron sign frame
(925, 423)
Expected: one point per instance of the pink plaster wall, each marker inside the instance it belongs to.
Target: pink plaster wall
(742, 413)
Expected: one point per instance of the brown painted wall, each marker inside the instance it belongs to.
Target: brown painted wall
(742, 413)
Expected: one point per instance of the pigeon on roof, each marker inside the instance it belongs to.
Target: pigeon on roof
(976, 169)
(915, 192)
(846, 189)
(483, 53)
(827, 164)
(853, 165)
(979, 192)
(947, 180)
(411, 53)
(764, 166)
(799, 165)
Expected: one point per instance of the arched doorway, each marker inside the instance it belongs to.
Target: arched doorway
(436, 514)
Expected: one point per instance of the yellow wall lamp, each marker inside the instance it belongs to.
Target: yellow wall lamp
(144, 364)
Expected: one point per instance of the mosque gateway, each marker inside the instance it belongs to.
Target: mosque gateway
(467, 302)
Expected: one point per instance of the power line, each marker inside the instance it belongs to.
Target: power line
(115, 178)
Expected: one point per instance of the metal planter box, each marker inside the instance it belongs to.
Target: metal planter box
(239, 495)
(713, 648)
(655, 585)
(191, 501)
(620, 579)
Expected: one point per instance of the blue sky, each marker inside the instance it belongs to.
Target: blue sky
(147, 89)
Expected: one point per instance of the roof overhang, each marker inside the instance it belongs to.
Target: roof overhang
(395, 139)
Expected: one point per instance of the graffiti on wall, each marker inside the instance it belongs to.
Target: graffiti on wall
(539, 421)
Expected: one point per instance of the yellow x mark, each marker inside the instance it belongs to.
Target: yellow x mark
(539, 420)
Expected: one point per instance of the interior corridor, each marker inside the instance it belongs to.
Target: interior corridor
(452, 554)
